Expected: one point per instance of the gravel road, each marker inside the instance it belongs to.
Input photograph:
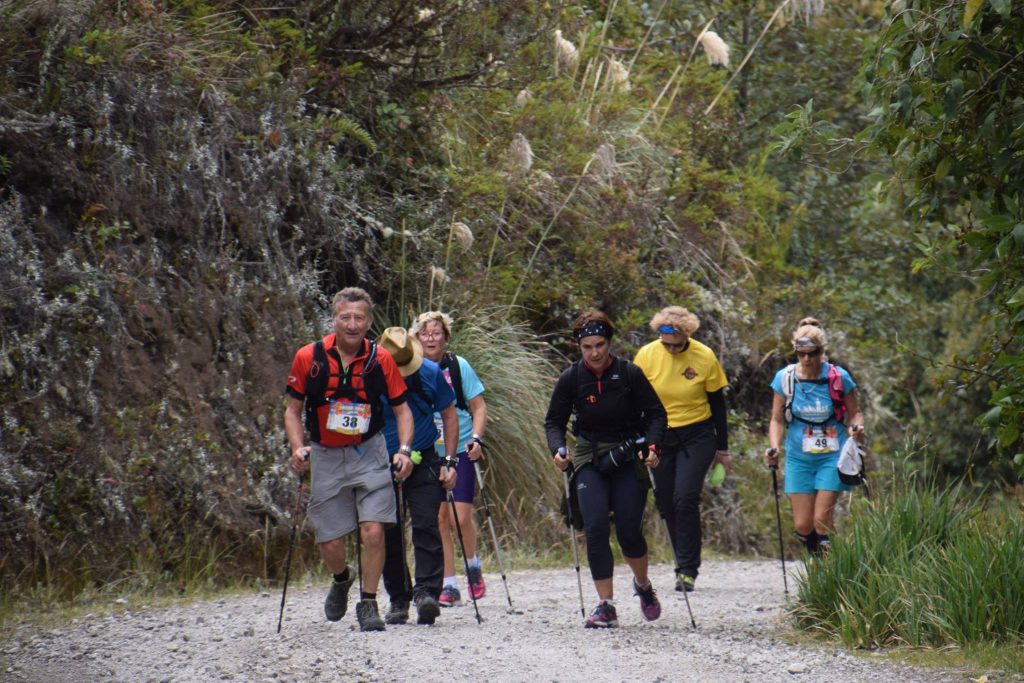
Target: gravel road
(738, 607)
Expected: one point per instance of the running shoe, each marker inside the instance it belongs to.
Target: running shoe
(336, 603)
(399, 612)
(603, 616)
(649, 604)
(685, 581)
(449, 596)
(476, 583)
(427, 609)
(368, 617)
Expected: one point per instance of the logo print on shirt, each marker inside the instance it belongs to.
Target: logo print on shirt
(689, 373)
(591, 399)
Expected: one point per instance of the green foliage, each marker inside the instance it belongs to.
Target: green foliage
(948, 108)
(924, 565)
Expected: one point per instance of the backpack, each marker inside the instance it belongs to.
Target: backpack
(450, 362)
(318, 377)
(622, 367)
(835, 391)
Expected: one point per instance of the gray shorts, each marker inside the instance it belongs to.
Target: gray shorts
(351, 484)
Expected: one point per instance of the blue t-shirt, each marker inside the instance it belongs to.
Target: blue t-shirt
(812, 402)
(436, 396)
(471, 388)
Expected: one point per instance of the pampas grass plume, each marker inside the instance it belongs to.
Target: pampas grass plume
(618, 76)
(566, 55)
(715, 47)
(438, 275)
(520, 155)
(463, 234)
(523, 97)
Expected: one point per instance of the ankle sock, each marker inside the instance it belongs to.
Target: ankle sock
(342, 577)
(451, 581)
(368, 596)
(474, 562)
(810, 541)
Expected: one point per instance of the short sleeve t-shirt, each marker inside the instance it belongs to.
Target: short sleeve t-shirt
(435, 394)
(812, 403)
(471, 388)
(296, 384)
(682, 380)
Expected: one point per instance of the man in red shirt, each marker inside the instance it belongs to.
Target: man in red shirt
(337, 385)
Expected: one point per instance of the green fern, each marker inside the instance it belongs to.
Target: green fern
(340, 126)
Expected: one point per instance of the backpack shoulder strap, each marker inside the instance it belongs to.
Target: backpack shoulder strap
(836, 392)
(788, 380)
(450, 362)
(316, 387)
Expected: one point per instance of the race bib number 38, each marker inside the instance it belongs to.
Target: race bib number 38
(349, 418)
(820, 440)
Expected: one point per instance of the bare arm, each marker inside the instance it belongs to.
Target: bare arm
(296, 434)
(854, 417)
(776, 430)
(478, 409)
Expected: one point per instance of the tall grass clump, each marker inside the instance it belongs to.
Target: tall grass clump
(922, 566)
(518, 377)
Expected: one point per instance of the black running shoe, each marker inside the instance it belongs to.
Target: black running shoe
(336, 603)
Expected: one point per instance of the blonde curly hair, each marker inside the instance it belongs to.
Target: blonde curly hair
(423, 318)
(678, 317)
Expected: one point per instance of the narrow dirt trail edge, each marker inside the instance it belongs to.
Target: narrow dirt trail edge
(738, 607)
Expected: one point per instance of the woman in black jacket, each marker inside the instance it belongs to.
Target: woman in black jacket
(619, 423)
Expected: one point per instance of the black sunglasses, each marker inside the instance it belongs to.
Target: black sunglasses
(809, 354)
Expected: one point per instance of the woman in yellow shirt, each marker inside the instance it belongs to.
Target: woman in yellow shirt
(690, 382)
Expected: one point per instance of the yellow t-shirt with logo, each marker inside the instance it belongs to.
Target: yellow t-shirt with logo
(682, 380)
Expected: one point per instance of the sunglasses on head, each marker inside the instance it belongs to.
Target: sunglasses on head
(808, 354)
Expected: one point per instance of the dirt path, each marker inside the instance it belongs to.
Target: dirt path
(738, 609)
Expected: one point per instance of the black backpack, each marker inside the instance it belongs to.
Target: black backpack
(374, 386)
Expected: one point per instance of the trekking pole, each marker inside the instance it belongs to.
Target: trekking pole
(291, 546)
(572, 534)
(778, 521)
(462, 545)
(671, 544)
(406, 581)
(490, 524)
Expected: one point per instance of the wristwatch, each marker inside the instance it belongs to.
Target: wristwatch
(450, 462)
(405, 449)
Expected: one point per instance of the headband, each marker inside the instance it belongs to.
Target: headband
(667, 329)
(803, 342)
(594, 328)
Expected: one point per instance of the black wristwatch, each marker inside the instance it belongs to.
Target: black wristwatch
(450, 462)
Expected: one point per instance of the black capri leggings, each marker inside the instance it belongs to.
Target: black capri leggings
(621, 492)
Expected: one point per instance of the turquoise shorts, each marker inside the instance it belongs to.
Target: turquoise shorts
(812, 473)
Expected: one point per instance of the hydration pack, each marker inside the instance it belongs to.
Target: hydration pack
(835, 391)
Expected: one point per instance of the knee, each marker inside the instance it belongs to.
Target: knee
(372, 534)
(687, 501)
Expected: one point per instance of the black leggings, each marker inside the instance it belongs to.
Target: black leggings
(621, 492)
(685, 459)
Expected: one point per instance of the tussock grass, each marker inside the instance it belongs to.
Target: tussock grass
(921, 566)
(523, 486)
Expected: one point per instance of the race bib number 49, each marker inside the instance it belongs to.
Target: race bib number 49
(349, 418)
(818, 440)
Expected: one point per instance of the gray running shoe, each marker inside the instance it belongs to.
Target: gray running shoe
(427, 609)
(398, 613)
(336, 603)
(366, 614)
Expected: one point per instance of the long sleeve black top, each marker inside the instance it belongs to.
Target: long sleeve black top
(618, 405)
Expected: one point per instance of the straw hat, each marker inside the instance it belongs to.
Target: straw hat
(404, 348)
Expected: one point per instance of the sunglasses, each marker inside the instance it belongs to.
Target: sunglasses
(808, 354)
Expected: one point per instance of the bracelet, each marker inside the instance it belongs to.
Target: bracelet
(475, 437)
(405, 449)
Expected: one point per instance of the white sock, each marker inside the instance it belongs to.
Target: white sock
(451, 581)
(474, 561)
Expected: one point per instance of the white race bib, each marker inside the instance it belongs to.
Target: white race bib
(349, 418)
(820, 440)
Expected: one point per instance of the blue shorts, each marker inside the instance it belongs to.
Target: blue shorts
(812, 473)
(465, 485)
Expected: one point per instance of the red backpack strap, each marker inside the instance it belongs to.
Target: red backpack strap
(835, 390)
